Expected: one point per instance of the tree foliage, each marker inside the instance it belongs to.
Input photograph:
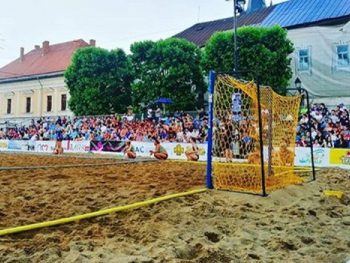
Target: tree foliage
(167, 68)
(99, 81)
(263, 53)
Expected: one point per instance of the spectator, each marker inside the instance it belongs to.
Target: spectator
(329, 128)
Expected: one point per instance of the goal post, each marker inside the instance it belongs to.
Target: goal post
(211, 83)
(251, 136)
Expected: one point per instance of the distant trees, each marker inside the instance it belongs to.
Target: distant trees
(102, 81)
(263, 52)
(168, 68)
(99, 81)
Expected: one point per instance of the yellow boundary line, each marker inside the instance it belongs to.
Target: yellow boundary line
(66, 220)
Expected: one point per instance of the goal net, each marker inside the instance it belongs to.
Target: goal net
(239, 151)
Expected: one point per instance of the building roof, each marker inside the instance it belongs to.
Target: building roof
(56, 59)
(301, 13)
(289, 14)
(201, 32)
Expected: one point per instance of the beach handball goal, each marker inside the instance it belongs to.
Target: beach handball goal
(251, 136)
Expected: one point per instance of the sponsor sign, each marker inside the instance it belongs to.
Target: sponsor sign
(303, 156)
(76, 146)
(45, 146)
(3, 145)
(339, 157)
(143, 149)
(174, 150)
(68, 146)
(324, 157)
(107, 146)
(178, 150)
(20, 145)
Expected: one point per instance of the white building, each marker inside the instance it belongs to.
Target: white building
(33, 85)
(321, 61)
(320, 32)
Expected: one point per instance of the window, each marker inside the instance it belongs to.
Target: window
(28, 104)
(9, 101)
(304, 60)
(63, 102)
(343, 55)
(49, 104)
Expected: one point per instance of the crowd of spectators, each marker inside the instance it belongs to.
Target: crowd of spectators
(178, 127)
(329, 128)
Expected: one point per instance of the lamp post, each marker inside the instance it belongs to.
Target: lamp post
(237, 9)
(305, 93)
(297, 84)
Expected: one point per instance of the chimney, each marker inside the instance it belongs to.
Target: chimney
(22, 53)
(46, 45)
(92, 42)
(37, 47)
(255, 5)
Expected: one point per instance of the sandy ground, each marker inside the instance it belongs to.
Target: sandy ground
(296, 224)
(17, 159)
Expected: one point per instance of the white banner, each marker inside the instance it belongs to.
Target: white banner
(20, 146)
(68, 146)
(303, 157)
(76, 146)
(174, 150)
(45, 146)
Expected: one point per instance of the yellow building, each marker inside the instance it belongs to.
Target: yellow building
(33, 85)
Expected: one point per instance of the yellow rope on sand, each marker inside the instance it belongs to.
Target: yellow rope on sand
(97, 213)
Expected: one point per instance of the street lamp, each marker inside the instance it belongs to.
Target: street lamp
(237, 9)
(297, 84)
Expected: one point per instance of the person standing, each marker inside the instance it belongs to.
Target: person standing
(59, 138)
(158, 114)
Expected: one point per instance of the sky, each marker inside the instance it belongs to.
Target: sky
(112, 23)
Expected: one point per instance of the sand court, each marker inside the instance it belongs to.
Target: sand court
(295, 224)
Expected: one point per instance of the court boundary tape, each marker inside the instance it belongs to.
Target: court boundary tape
(102, 212)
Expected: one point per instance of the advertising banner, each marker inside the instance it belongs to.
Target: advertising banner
(339, 157)
(45, 146)
(174, 150)
(20, 146)
(3, 145)
(143, 149)
(68, 146)
(107, 146)
(324, 157)
(178, 150)
(76, 146)
(303, 156)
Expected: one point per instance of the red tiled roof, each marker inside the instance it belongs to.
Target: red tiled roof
(57, 59)
(201, 32)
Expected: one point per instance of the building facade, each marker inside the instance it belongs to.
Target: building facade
(33, 85)
(34, 98)
(320, 32)
(321, 61)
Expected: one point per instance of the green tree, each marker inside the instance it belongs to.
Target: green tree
(99, 81)
(167, 68)
(263, 53)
